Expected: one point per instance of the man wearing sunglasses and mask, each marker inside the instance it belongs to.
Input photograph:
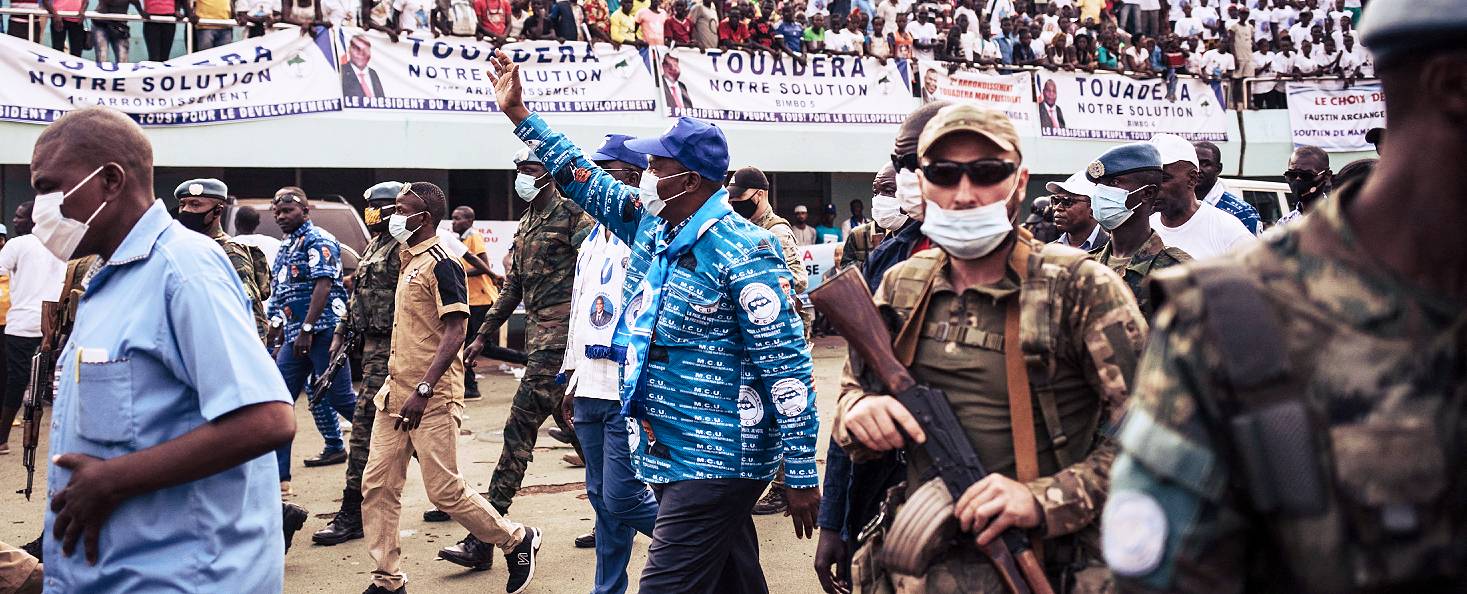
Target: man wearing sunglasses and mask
(959, 311)
(167, 407)
(541, 276)
(721, 392)
(369, 315)
(1309, 180)
(201, 205)
(1124, 183)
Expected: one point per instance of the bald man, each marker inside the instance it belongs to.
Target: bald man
(165, 430)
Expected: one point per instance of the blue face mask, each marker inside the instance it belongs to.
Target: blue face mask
(1109, 205)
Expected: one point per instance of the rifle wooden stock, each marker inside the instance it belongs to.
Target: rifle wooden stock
(846, 301)
(500, 353)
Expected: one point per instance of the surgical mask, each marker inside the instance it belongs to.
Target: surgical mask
(745, 208)
(397, 227)
(909, 193)
(524, 185)
(651, 200)
(59, 234)
(195, 221)
(1108, 203)
(972, 233)
(887, 211)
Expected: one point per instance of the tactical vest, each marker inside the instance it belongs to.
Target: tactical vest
(1360, 507)
(1051, 268)
(370, 309)
(58, 319)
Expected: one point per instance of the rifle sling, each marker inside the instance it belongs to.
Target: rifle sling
(1021, 405)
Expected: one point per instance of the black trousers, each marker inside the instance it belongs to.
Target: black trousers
(704, 540)
(158, 37)
(476, 319)
(72, 34)
(18, 353)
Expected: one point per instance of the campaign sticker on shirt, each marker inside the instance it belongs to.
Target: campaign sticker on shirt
(602, 311)
(325, 254)
(313, 258)
(634, 307)
(581, 175)
(760, 302)
(1138, 549)
(751, 408)
(280, 278)
(634, 434)
(790, 396)
(338, 307)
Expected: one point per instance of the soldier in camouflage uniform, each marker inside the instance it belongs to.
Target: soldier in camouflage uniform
(748, 192)
(541, 275)
(964, 315)
(368, 316)
(1124, 178)
(1299, 422)
(201, 208)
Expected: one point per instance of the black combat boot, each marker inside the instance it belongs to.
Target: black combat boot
(347, 525)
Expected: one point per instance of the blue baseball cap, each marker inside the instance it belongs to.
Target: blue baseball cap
(696, 144)
(1136, 156)
(614, 149)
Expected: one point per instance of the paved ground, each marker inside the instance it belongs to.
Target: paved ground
(554, 500)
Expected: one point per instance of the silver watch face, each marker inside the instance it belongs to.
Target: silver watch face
(424, 389)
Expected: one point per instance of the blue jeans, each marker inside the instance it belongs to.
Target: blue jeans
(338, 400)
(212, 38)
(624, 506)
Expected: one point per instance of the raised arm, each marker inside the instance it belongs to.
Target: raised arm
(609, 201)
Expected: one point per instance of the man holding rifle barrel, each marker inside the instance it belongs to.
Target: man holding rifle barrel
(956, 314)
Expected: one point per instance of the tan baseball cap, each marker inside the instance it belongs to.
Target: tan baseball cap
(991, 124)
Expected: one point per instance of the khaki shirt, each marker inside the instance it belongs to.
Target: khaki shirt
(430, 288)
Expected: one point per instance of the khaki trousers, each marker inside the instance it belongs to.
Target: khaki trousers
(19, 572)
(435, 441)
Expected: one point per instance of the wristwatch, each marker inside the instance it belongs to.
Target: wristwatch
(424, 390)
(308, 328)
(277, 322)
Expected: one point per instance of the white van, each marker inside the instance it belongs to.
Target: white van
(1270, 198)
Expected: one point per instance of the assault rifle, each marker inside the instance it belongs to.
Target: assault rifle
(846, 302)
(500, 353)
(39, 392)
(323, 381)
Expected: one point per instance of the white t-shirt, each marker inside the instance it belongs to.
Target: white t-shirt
(925, 32)
(844, 40)
(412, 15)
(1209, 233)
(1188, 26)
(1217, 64)
(1263, 66)
(35, 276)
(267, 244)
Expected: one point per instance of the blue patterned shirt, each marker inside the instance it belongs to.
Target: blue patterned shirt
(306, 255)
(1233, 205)
(728, 391)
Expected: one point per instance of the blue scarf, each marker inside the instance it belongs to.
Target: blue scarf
(635, 336)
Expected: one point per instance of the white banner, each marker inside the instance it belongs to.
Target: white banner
(819, 260)
(279, 74)
(1331, 117)
(1107, 106)
(761, 87)
(1009, 93)
(452, 74)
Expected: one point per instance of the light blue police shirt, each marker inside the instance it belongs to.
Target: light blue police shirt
(164, 342)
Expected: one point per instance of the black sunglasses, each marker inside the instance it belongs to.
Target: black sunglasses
(906, 161)
(983, 172)
(1066, 201)
(1299, 174)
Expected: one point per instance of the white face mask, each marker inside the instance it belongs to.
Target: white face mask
(909, 193)
(397, 227)
(887, 212)
(971, 233)
(59, 234)
(651, 200)
(1109, 205)
(524, 185)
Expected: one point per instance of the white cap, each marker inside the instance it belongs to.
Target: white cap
(1076, 184)
(527, 154)
(1174, 148)
(801, 208)
(3, 231)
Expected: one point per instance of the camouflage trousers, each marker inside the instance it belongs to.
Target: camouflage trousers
(538, 398)
(375, 350)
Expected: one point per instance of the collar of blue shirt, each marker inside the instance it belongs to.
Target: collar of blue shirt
(143, 236)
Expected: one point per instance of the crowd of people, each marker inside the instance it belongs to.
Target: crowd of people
(1225, 41)
(1146, 402)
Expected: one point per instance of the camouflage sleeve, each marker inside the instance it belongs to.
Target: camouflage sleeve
(583, 227)
(1170, 523)
(1110, 333)
(792, 257)
(244, 267)
(848, 250)
(261, 266)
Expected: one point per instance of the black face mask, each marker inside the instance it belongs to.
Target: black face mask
(1307, 189)
(195, 221)
(745, 208)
